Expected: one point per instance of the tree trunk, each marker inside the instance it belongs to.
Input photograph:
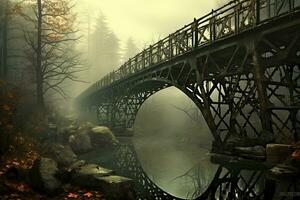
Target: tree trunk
(3, 44)
(39, 74)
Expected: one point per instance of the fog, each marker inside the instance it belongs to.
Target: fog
(145, 22)
(168, 142)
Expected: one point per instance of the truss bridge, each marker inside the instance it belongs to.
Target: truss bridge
(239, 64)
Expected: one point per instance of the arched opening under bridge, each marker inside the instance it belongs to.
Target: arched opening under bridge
(172, 141)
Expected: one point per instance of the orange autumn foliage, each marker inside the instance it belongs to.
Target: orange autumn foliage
(88, 194)
(72, 195)
(296, 155)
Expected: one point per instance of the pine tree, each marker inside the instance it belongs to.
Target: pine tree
(105, 50)
(130, 50)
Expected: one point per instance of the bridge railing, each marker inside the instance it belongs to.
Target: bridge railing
(233, 18)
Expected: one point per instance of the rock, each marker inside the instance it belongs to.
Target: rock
(255, 151)
(63, 155)
(278, 153)
(282, 169)
(102, 136)
(81, 142)
(71, 129)
(76, 165)
(117, 187)
(235, 142)
(97, 177)
(295, 158)
(87, 125)
(88, 174)
(42, 176)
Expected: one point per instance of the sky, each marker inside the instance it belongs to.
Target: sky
(145, 21)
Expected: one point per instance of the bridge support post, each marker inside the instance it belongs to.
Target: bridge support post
(264, 112)
(105, 114)
(205, 106)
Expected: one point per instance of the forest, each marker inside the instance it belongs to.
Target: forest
(40, 61)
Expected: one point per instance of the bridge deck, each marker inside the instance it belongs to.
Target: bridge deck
(229, 21)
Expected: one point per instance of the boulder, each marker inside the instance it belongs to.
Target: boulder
(81, 142)
(71, 129)
(87, 175)
(235, 141)
(76, 165)
(295, 158)
(87, 125)
(283, 169)
(97, 177)
(43, 176)
(256, 152)
(117, 187)
(102, 136)
(64, 133)
(278, 153)
(63, 155)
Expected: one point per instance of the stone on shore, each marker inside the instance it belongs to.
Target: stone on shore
(117, 187)
(258, 152)
(43, 176)
(80, 142)
(87, 175)
(63, 155)
(102, 136)
(278, 153)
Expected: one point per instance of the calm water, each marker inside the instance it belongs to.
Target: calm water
(174, 167)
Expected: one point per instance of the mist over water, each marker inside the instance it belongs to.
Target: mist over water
(172, 147)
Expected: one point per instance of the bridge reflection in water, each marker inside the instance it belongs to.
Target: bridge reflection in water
(235, 178)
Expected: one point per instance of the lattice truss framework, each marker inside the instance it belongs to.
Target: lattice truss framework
(247, 90)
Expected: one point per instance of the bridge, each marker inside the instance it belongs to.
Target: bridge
(239, 64)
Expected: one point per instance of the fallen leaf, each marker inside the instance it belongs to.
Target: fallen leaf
(72, 195)
(6, 107)
(88, 194)
(22, 188)
(16, 163)
(296, 154)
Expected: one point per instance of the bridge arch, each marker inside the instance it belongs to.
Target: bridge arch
(128, 97)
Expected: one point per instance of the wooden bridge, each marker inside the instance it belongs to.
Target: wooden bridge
(239, 64)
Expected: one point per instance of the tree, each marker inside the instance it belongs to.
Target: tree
(50, 46)
(105, 50)
(3, 37)
(130, 50)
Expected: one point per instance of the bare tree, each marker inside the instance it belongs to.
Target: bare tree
(51, 42)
